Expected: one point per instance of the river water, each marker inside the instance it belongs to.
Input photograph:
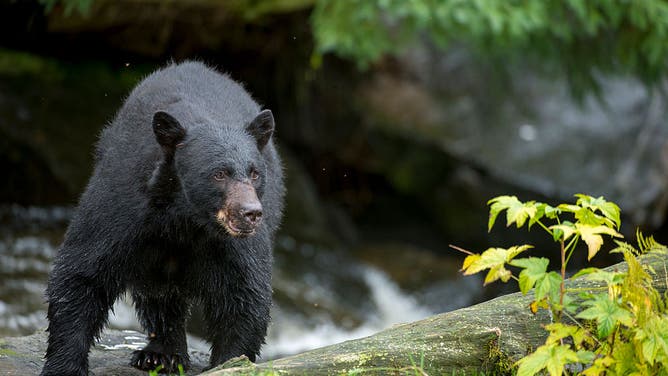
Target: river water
(322, 295)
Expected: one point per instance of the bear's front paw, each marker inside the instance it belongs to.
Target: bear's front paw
(147, 360)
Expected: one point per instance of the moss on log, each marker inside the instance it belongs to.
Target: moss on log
(486, 337)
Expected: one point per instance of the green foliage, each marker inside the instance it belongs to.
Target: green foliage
(577, 37)
(80, 6)
(620, 328)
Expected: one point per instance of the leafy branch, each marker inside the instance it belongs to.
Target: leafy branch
(578, 38)
(619, 329)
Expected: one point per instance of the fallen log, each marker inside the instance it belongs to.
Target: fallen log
(487, 337)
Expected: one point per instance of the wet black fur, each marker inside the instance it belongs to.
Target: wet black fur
(146, 224)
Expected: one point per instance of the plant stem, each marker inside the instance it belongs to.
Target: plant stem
(571, 245)
(544, 227)
(460, 249)
(562, 287)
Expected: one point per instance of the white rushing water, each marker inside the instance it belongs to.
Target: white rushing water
(289, 334)
(392, 306)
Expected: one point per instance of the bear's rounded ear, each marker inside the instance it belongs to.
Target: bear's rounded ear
(261, 128)
(168, 131)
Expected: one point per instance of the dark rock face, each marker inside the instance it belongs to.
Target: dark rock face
(531, 133)
(24, 355)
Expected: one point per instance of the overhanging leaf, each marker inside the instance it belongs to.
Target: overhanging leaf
(591, 235)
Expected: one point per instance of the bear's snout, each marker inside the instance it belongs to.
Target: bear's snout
(252, 213)
(242, 211)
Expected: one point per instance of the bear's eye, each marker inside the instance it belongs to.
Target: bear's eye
(221, 175)
(254, 175)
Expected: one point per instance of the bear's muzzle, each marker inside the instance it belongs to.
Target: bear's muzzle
(242, 211)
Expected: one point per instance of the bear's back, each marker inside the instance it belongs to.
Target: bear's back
(192, 92)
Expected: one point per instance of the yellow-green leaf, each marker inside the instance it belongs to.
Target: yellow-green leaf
(470, 259)
(497, 272)
(516, 211)
(559, 331)
(498, 204)
(551, 357)
(600, 366)
(653, 337)
(592, 236)
(491, 258)
(566, 228)
(516, 250)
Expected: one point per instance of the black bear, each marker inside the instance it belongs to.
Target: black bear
(181, 209)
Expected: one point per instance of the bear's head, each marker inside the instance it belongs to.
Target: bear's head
(221, 169)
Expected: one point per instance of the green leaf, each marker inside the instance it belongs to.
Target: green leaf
(540, 213)
(592, 236)
(610, 278)
(516, 211)
(588, 217)
(653, 337)
(552, 357)
(549, 286)
(559, 331)
(571, 305)
(564, 230)
(586, 357)
(606, 313)
(551, 212)
(609, 209)
(585, 271)
(534, 269)
(569, 208)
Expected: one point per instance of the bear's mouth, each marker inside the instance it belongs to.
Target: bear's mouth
(231, 227)
(235, 231)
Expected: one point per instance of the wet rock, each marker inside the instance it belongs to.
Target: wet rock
(110, 355)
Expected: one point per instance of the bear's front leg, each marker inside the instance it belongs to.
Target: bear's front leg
(163, 318)
(237, 322)
(78, 308)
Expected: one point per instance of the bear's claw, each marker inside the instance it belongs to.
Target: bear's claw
(147, 360)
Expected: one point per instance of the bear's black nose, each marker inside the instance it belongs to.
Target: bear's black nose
(252, 213)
